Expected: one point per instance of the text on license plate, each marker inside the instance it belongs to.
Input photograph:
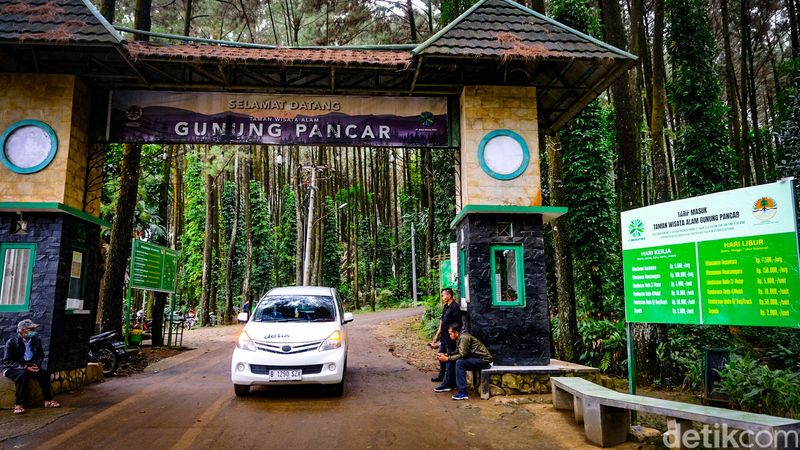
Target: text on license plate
(285, 375)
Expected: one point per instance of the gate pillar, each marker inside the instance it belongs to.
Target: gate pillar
(49, 230)
(499, 224)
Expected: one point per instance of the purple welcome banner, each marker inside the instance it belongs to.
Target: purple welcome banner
(228, 118)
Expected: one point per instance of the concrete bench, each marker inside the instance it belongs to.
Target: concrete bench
(605, 415)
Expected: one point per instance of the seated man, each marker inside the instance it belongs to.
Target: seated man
(470, 354)
(22, 362)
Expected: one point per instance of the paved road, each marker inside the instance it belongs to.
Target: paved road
(187, 401)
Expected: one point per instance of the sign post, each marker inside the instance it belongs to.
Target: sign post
(729, 258)
(153, 268)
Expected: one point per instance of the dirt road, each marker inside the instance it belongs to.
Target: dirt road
(187, 401)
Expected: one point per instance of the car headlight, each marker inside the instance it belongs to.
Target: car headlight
(245, 343)
(333, 341)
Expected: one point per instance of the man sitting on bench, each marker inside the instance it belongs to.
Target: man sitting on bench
(470, 354)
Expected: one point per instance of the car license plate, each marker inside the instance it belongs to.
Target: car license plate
(285, 375)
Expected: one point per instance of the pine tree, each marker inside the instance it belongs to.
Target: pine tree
(705, 160)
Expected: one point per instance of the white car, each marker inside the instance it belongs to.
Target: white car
(295, 335)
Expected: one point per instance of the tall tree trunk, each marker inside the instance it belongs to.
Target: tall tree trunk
(177, 206)
(430, 251)
(307, 255)
(187, 17)
(232, 245)
(627, 106)
(247, 294)
(107, 10)
(113, 293)
(733, 102)
(160, 298)
(298, 210)
(208, 241)
(758, 148)
(141, 20)
(569, 340)
(412, 25)
(743, 88)
(793, 35)
(658, 118)
(640, 48)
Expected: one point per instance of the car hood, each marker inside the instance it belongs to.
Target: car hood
(290, 332)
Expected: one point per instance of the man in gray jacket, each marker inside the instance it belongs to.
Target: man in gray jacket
(470, 354)
(22, 361)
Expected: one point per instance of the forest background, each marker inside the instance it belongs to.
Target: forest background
(711, 105)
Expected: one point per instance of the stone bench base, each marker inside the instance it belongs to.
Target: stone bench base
(518, 380)
(62, 381)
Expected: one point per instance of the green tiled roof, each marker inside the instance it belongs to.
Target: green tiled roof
(54, 21)
(508, 30)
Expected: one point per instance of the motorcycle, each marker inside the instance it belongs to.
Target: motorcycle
(107, 349)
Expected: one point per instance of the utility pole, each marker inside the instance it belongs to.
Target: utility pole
(310, 223)
(413, 265)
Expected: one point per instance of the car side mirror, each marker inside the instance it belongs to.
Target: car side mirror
(242, 317)
(348, 317)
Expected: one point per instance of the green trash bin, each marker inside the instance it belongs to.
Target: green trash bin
(714, 359)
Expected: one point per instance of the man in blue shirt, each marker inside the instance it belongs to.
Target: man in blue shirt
(22, 361)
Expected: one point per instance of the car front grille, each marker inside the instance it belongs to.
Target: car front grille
(259, 369)
(286, 349)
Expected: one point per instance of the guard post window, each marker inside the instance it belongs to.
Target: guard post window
(16, 274)
(508, 276)
(75, 291)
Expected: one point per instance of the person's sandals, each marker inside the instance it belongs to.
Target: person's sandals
(18, 409)
(51, 404)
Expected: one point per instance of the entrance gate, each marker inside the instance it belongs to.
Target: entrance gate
(500, 77)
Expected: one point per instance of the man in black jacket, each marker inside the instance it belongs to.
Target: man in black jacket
(22, 361)
(451, 318)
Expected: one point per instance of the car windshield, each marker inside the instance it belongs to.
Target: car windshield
(295, 308)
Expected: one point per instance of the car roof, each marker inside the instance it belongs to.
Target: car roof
(301, 290)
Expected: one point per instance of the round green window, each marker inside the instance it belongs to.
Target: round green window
(503, 154)
(28, 146)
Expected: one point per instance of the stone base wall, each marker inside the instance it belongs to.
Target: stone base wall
(61, 381)
(528, 383)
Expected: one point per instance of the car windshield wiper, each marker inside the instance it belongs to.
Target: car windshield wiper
(322, 319)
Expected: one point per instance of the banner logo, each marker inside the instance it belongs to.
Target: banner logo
(765, 208)
(636, 228)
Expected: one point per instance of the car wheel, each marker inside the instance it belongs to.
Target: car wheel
(241, 390)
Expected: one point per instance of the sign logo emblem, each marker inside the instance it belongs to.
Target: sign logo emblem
(426, 119)
(765, 208)
(134, 113)
(636, 228)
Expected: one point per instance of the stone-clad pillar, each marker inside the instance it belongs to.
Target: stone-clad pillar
(499, 224)
(44, 171)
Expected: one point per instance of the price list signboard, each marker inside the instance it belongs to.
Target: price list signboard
(153, 267)
(729, 258)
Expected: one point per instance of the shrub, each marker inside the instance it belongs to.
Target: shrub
(752, 386)
(605, 343)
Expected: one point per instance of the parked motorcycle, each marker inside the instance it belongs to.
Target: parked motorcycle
(107, 349)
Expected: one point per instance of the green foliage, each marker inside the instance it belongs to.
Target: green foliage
(285, 235)
(752, 386)
(588, 153)
(444, 207)
(789, 132)
(261, 274)
(605, 343)
(587, 148)
(331, 249)
(451, 9)
(705, 160)
(191, 260)
(578, 14)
